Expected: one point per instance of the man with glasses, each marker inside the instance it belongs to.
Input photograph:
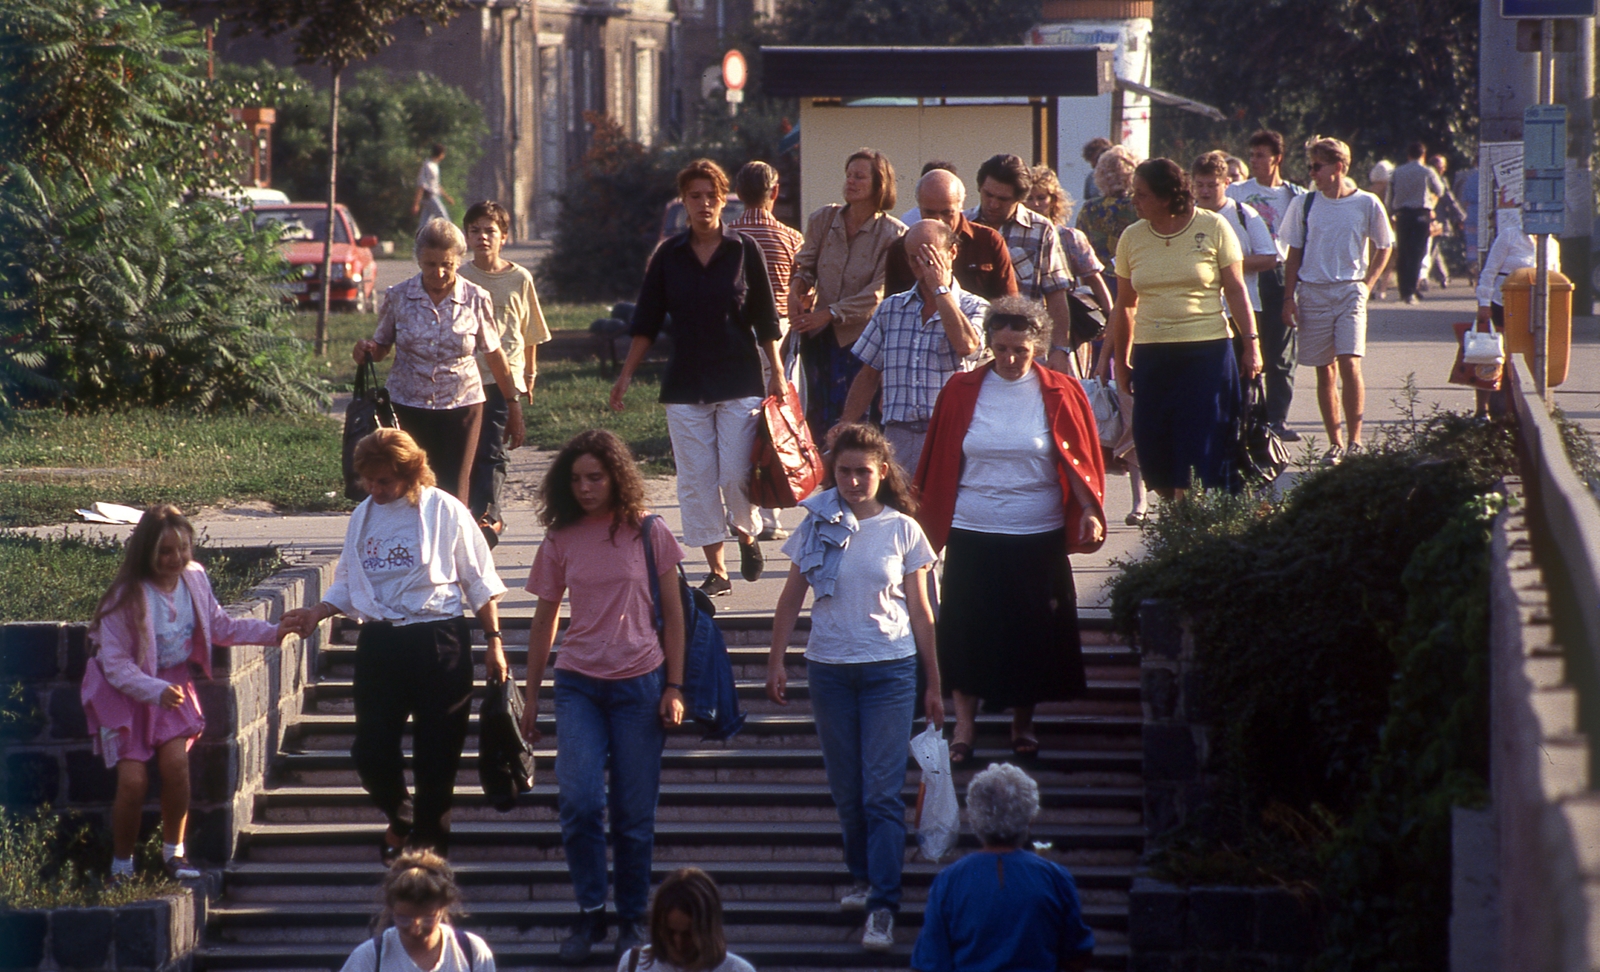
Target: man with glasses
(1036, 257)
(1327, 279)
(1269, 194)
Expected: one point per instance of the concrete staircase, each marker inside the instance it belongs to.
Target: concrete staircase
(755, 812)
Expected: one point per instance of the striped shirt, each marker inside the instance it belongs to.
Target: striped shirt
(1035, 252)
(779, 244)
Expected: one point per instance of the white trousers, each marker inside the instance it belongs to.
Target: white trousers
(711, 445)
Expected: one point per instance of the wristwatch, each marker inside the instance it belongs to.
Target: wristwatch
(941, 290)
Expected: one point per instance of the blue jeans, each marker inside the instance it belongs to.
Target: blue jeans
(863, 715)
(603, 723)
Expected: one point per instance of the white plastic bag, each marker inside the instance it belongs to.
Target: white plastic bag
(938, 817)
(1107, 408)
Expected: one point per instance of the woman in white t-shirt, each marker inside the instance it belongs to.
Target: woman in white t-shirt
(618, 685)
(866, 561)
(413, 563)
(413, 932)
(685, 929)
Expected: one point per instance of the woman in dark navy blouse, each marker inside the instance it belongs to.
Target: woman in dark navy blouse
(713, 282)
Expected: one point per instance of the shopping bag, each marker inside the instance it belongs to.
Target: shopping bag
(785, 465)
(369, 410)
(1484, 377)
(938, 817)
(1107, 410)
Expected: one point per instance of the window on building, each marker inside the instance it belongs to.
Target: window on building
(644, 94)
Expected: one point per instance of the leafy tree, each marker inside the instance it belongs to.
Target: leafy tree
(1375, 73)
(112, 296)
(853, 22)
(335, 33)
(384, 119)
(109, 86)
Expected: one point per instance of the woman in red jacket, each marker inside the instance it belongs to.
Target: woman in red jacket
(1011, 482)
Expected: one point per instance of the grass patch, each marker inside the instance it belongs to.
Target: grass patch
(572, 396)
(63, 578)
(51, 463)
(573, 317)
(44, 864)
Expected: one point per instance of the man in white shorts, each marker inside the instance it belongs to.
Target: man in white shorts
(1327, 279)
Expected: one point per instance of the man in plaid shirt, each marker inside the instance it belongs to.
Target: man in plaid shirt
(1003, 182)
(915, 341)
(756, 185)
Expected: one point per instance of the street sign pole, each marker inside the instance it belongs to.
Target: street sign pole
(1541, 248)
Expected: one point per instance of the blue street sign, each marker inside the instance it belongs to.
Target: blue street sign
(1542, 9)
(1544, 162)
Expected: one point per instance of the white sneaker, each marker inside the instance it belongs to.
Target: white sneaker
(856, 898)
(879, 936)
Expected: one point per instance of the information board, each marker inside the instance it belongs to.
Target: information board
(1544, 162)
(1543, 9)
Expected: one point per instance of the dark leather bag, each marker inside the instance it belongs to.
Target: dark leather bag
(1087, 321)
(1262, 456)
(505, 759)
(369, 410)
(785, 465)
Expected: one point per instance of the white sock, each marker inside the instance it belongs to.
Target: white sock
(169, 851)
(122, 865)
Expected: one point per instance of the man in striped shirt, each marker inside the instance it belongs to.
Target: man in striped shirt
(756, 185)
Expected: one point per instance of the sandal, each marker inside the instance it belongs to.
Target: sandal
(389, 853)
(1024, 747)
(960, 752)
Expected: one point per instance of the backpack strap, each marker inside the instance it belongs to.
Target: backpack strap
(645, 528)
(377, 946)
(633, 959)
(1305, 219)
(465, 944)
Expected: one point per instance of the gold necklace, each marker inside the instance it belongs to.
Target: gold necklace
(1167, 240)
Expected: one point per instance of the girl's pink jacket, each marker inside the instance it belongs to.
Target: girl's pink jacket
(122, 675)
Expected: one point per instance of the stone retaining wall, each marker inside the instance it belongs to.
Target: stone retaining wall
(1173, 929)
(254, 692)
(148, 936)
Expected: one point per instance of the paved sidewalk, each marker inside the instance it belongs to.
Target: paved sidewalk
(1402, 341)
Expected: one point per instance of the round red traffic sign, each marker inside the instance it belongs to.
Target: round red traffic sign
(734, 71)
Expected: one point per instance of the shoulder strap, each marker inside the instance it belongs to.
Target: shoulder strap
(645, 528)
(377, 948)
(465, 944)
(1305, 218)
(633, 959)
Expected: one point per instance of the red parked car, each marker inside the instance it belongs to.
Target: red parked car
(354, 283)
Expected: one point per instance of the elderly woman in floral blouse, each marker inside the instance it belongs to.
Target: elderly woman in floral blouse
(436, 322)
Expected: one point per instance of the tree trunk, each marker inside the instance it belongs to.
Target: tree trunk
(324, 280)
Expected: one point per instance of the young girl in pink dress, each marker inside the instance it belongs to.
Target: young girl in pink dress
(153, 629)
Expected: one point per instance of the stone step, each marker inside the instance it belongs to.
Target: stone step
(675, 841)
(680, 802)
(315, 731)
(509, 917)
(736, 879)
(803, 956)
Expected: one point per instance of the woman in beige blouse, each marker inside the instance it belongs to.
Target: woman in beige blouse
(838, 281)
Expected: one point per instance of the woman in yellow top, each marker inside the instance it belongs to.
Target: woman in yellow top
(1174, 267)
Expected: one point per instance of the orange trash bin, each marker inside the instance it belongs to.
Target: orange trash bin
(1517, 293)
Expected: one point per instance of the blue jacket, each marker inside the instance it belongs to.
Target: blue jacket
(709, 694)
(822, 537)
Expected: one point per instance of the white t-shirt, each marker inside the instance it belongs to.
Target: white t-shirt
(1009, 482)
(428, 177)
(648, 963)
(1270, 202)
(172, 616)
(1255, 239)
(395, 959)
(1340, 229)
(389, 555)
(865, 619)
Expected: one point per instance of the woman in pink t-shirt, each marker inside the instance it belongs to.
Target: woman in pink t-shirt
(618, 687)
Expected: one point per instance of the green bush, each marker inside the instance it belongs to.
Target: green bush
(114, 295)
(43, 864)
(386, 125)
(1342, 630)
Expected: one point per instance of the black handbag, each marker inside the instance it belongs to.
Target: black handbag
(1262, 456)
(1088, 323)
(505, 759)
(369, 410)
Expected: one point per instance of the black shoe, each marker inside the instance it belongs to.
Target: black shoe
(491, 530)
(716, 585)
(587, 931)
(179, 869)
(629, 935)
(773, 533)
(751, 562)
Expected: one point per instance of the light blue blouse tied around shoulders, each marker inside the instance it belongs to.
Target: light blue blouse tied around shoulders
(823, 535)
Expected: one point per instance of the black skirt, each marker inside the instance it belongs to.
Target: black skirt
(1008, 619)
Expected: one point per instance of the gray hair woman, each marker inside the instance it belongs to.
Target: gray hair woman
(1011, 482)
(1005, 907)
(437, 323)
